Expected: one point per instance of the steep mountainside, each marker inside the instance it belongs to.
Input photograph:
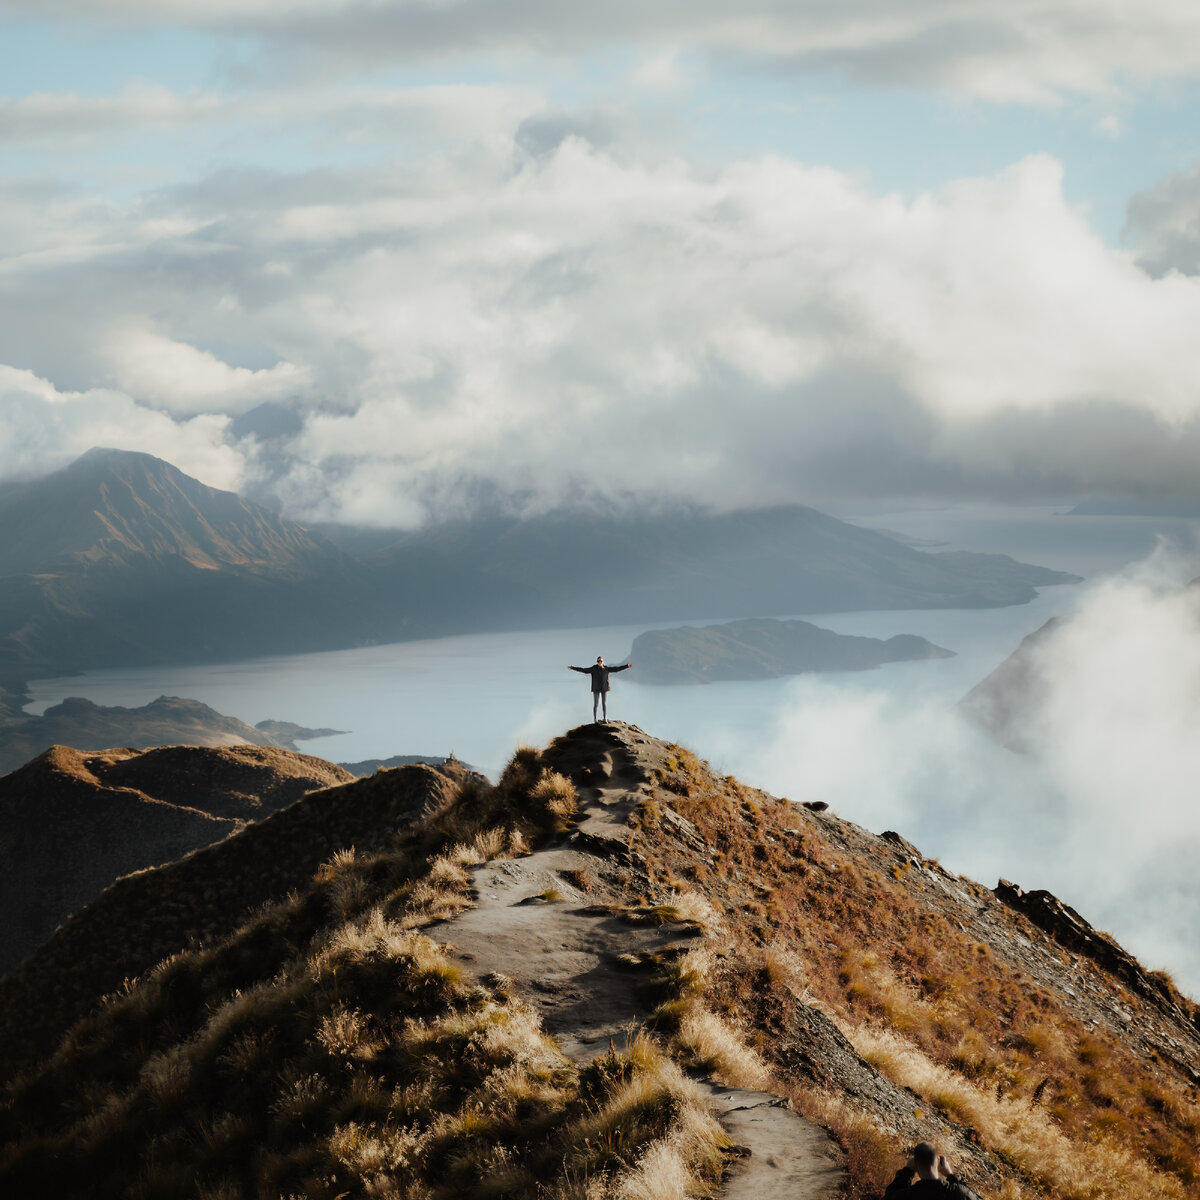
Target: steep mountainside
(121, 558)
(300, 1037)
(765, 649)
(147, 915)
(1007, 702)
(71, 823)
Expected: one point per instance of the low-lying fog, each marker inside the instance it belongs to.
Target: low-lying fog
(1106, 817)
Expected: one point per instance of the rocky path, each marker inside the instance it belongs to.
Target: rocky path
(562, 956)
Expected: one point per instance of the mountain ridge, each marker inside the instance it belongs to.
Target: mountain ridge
(770, 946)
(121, 559)
(73, 822)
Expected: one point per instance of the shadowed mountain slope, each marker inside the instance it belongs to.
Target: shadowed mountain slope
(1008, 703)
(73, 822)
(167, 721)
(120, 558)
(145, 916)
(612, 885)
(567, 569)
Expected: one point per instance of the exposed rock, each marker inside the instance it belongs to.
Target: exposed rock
(1069, 929)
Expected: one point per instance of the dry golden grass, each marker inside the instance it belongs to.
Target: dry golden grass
(807, 921)
(717, 1048)
(1024, 1134)
(330, 1050)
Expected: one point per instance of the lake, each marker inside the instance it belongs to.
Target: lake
(886, 748)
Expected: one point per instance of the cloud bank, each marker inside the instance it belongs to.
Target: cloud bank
(543, 318)
(1024, 51)
(1105, 817)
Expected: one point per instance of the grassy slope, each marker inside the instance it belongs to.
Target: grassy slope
(354, 1060)
(328, 1049)
(1040, 1095)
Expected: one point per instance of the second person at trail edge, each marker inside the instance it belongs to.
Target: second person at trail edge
(600, 674)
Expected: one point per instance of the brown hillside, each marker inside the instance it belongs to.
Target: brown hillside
(1042, 1053)
(72, 822)
(147, 915)
(612, 887)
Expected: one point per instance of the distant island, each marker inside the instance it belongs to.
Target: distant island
(1186, 509)
(167, 721)
(120, 559)
(765, 649)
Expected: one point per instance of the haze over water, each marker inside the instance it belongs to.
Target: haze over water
(886, 748)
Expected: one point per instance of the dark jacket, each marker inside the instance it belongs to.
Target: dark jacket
(903, 1188)
(600, 675)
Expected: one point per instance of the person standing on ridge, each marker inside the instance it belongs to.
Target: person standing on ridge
(600, 674)
(935, 1178)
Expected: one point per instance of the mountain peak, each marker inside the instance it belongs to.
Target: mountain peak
(650, 913)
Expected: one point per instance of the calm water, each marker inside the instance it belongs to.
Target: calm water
(478, 695)
(886, 748)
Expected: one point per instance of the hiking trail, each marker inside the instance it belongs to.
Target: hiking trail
(562, 958)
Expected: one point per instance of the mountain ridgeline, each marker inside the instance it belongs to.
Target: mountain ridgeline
(421, 984)
(121, 559)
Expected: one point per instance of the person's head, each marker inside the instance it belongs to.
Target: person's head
(925, 1155)
(600, 660)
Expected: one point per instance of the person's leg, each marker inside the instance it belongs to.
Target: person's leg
(604, 704)
(595, 705)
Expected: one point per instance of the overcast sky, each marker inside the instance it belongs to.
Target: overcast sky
(392, 259)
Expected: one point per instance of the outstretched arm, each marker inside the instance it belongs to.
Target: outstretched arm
(625, 667)
(581, 670)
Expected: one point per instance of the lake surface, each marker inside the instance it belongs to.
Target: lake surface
(478, 695)
(886, 748)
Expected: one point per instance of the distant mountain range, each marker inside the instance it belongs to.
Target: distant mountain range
(121, 559)
(765, 649)
(167, 721)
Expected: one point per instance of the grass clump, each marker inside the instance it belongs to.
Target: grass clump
(330, 1050)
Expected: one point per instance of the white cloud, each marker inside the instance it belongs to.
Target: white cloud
(1106, 817)
(42, 428)
(1022, 51)
(557, 321)
(59, 123)
(140, 104)
(184, 379)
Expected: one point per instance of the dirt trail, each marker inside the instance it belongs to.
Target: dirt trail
(562, 957)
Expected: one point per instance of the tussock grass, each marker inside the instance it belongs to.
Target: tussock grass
(717, 1048)
(810, 919)
(1023, 1134)
(702, 1039)
(330, 1050)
